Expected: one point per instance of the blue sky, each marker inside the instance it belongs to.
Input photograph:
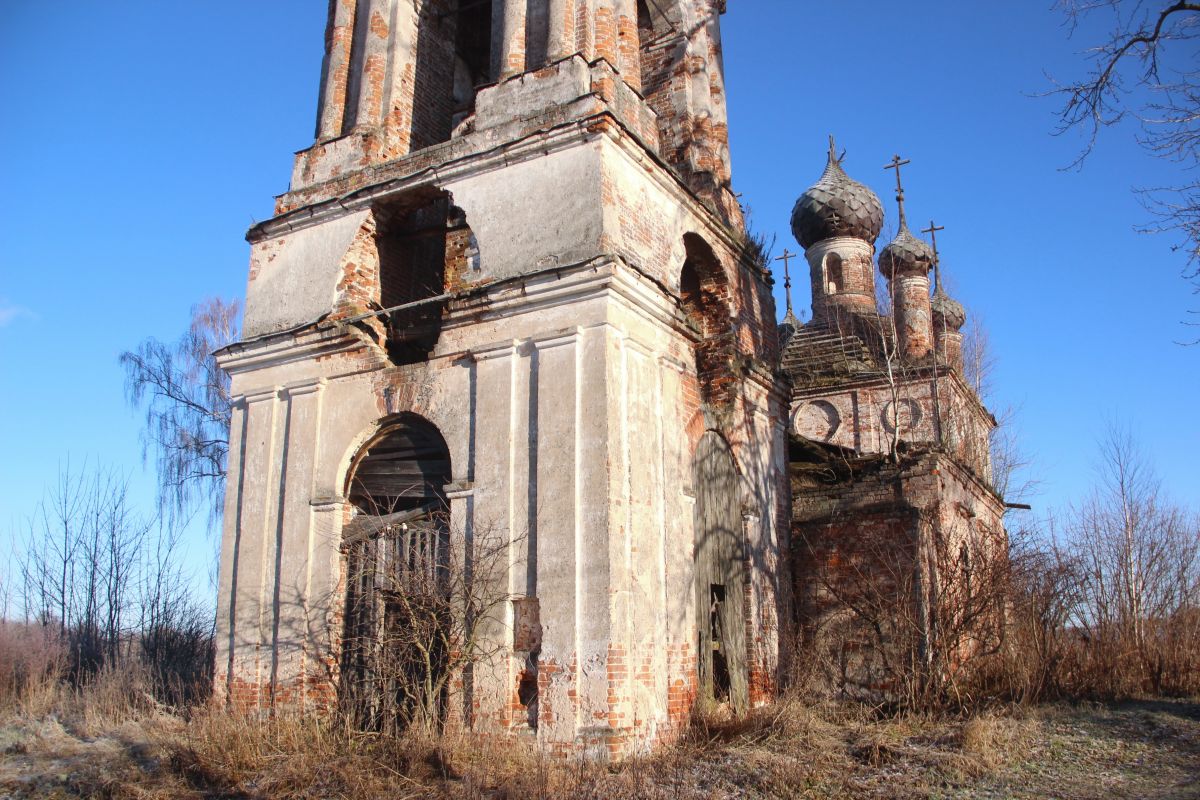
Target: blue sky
(141, 139)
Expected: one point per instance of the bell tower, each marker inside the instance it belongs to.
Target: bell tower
(398, 77)
(508, 305)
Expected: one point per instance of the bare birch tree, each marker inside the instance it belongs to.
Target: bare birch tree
(185, 396)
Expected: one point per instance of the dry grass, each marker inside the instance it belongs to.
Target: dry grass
(107, 743)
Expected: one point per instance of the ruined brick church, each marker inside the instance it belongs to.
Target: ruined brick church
(509, 306)
(897, 536)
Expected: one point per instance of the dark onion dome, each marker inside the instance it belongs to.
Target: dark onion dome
(948, 309)
(836, 205)
(905, 253)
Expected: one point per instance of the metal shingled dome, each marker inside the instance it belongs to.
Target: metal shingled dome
(905, 253)
(836, 205)
(949, 309)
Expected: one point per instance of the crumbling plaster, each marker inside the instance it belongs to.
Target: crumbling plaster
(564, 383)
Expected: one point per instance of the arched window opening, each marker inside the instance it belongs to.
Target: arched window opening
(404, 468)
(452, 60)
(654, 56)
(834, 279)
(645, 23)
(472, 59)
(399, 612)
(703, 288)
(703, 298)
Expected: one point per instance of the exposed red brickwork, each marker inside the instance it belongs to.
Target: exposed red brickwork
(682, 685)
(842, 282)
(606, 34)
(694, 136)
(629, 44)
(358, 285)
(949, 345)
(914, 321)
(413, 108)
(339, 35)
(618, 676)
(567, 25)
(311, 691)
(585, 30)
(510, 38)
(374, 72)
(410, 109)
(876, 543)
(462, 256)
(645, 690)
(869, 407)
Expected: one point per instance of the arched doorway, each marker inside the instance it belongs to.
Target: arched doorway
(399, 617)
(720, 575)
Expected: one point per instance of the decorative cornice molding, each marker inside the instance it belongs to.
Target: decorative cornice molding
(260, 395)
(286, 347)
(309, 386)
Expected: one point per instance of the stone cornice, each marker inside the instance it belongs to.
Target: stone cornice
(287, 347)
(605, 277)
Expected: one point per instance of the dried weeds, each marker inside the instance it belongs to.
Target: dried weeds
(792, 749)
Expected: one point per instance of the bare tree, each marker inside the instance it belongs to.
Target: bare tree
(79, 562)
(906, 616)
(186, 400)
(1043, 594)
(105, 584)
(979, 357)
(1138, 557)
(1145, 69)
(423, 607)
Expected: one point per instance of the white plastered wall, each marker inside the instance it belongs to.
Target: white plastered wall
(561, 406)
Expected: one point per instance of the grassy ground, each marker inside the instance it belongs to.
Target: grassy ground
(1137, 749)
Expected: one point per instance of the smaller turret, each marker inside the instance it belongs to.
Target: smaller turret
(948, 319)
(906, 263)
(948, 314)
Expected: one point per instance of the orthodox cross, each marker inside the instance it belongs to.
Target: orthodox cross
(787, 276)
(896, 164)
(937, 274)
